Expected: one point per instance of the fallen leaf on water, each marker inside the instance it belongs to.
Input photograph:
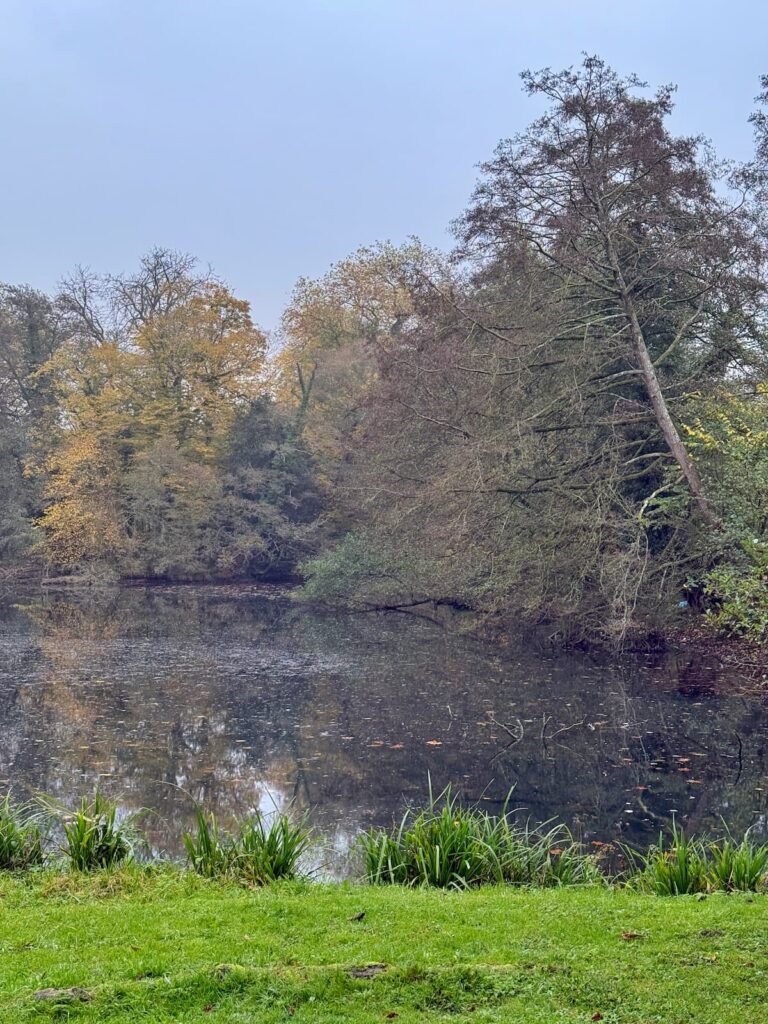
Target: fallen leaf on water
(434, 743)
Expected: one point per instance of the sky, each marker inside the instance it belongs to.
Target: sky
(271, 139)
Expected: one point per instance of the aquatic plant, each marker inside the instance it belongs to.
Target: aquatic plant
(450, 845)
(674, 866)
(270, 848)
(93, 836)
(21, 836)
(737, 867)
(262, 848)
(208, 849)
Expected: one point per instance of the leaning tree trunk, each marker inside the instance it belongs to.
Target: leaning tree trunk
(656, 395)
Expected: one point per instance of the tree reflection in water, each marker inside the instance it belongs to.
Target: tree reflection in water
(241, 698)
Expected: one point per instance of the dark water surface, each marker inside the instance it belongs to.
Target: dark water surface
(245, 699)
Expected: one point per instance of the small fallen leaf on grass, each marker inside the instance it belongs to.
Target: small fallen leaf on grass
(358, 917)
(597, 1016)
(631, 936)
(392, 1015)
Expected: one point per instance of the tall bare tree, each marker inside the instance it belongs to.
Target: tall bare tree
(629, 219)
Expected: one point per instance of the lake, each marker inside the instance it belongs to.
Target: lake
(241, 698)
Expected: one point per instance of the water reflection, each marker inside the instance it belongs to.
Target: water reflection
(243, 699)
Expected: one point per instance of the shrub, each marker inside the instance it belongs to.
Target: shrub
(740, 596)
(21, 837)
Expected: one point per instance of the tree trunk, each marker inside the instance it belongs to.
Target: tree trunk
(666, 425)
(658, 402)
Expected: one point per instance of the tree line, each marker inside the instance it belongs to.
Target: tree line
(565, 419)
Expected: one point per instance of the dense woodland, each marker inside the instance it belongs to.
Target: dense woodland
(564, 420)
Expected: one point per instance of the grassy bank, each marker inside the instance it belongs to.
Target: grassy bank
(164, 946)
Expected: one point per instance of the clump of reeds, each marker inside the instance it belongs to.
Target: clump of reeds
(22, 836)
(260, 850)
(677, 865)
(738, 867)
(451, 845)
(94, 837)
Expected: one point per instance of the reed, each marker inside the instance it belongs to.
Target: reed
(22, 837)
(675, 866)
(94, 837)
(737, 867)
(449, 845)
(262, 848)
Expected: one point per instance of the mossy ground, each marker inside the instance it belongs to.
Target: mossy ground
(168, 947)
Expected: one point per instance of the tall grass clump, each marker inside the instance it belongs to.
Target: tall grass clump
(737, 867)
(208, 848)
(262, 848)
(449, 845)
(94, 837)
(675, 866)
(21, 836)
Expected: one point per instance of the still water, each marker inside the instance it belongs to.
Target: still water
(240, 698)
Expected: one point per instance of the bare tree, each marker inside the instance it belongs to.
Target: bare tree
(630, 222)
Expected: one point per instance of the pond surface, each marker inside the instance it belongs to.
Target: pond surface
(241, 698)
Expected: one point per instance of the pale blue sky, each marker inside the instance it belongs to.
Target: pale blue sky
(272, 138)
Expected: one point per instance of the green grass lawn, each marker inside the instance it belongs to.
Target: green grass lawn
(173, 948)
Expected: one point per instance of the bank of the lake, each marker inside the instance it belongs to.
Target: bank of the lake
(174, 948)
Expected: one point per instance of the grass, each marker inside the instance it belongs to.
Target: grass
(22, 838)
(452, 846)
(94, 838)
(158, 945)
(261, 850)
(677, 865)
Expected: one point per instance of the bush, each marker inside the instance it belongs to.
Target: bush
(740, 597)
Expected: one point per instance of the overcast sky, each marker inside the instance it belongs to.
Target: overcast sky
(273, 138)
